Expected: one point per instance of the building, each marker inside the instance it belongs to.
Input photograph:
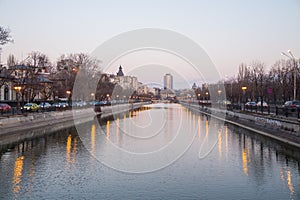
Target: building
(7, 92)
(33, 85)
(126, 82)
(142, 88)
(168, 82)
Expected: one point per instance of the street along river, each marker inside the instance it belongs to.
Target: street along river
(162, 151)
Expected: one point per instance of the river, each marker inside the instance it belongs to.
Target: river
(161, 151)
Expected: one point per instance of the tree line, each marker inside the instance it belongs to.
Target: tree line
(274, 86)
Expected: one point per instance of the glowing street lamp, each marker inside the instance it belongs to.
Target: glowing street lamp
(244, 88)
(206, 93)
(68, 92)
(18, 89)
(93, 96)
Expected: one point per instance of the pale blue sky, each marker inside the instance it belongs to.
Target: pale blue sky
(231, 32)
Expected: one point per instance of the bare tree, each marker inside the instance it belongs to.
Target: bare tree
(88, 69)
(5, 36)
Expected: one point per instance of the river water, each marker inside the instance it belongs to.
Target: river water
(162, 151)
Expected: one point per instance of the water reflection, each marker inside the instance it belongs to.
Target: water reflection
(245, 161)
(220, 143)
(199, 127)
(206, 128)
(68, 149)
(93, 140)
(18, 169)
(71, 150)
(107, 129)
(289, 182)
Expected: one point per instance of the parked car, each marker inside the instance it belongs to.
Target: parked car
(226, 102)
(30, 107)
(60, 105)
(251, 103)
(264, 104)
(45, 105)
(292, 104)
(79, 104)
(4, 107)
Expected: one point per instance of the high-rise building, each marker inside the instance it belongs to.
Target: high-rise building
(168, 81)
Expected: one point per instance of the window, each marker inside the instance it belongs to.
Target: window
(6, 93)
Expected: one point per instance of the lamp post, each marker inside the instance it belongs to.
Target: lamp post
(69, 96)
(219, 95)
(18, 89)
(291, 56)
(244, 88)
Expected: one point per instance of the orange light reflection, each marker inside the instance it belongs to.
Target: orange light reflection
(18, 174)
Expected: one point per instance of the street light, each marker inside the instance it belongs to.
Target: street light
(93, 96)
(117, 98)
(18, 89)
(69, 96)
(244, 88)
(291, 56)
(219, 97)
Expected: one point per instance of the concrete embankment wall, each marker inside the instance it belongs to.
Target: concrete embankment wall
(19, 128)
(254, 123)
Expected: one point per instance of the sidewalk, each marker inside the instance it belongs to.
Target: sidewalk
(286, 130)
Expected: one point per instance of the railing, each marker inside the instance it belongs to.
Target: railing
(267, 110)
(14, 111)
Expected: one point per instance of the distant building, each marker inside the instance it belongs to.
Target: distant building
(126, 82)
(168, 82)
(142, 89)
(194, 87)
(167, 94)
(120, 72)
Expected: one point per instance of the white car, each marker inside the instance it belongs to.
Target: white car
(264, 104)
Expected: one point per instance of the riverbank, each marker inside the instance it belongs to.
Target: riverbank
(283, 130)
(19, 128)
